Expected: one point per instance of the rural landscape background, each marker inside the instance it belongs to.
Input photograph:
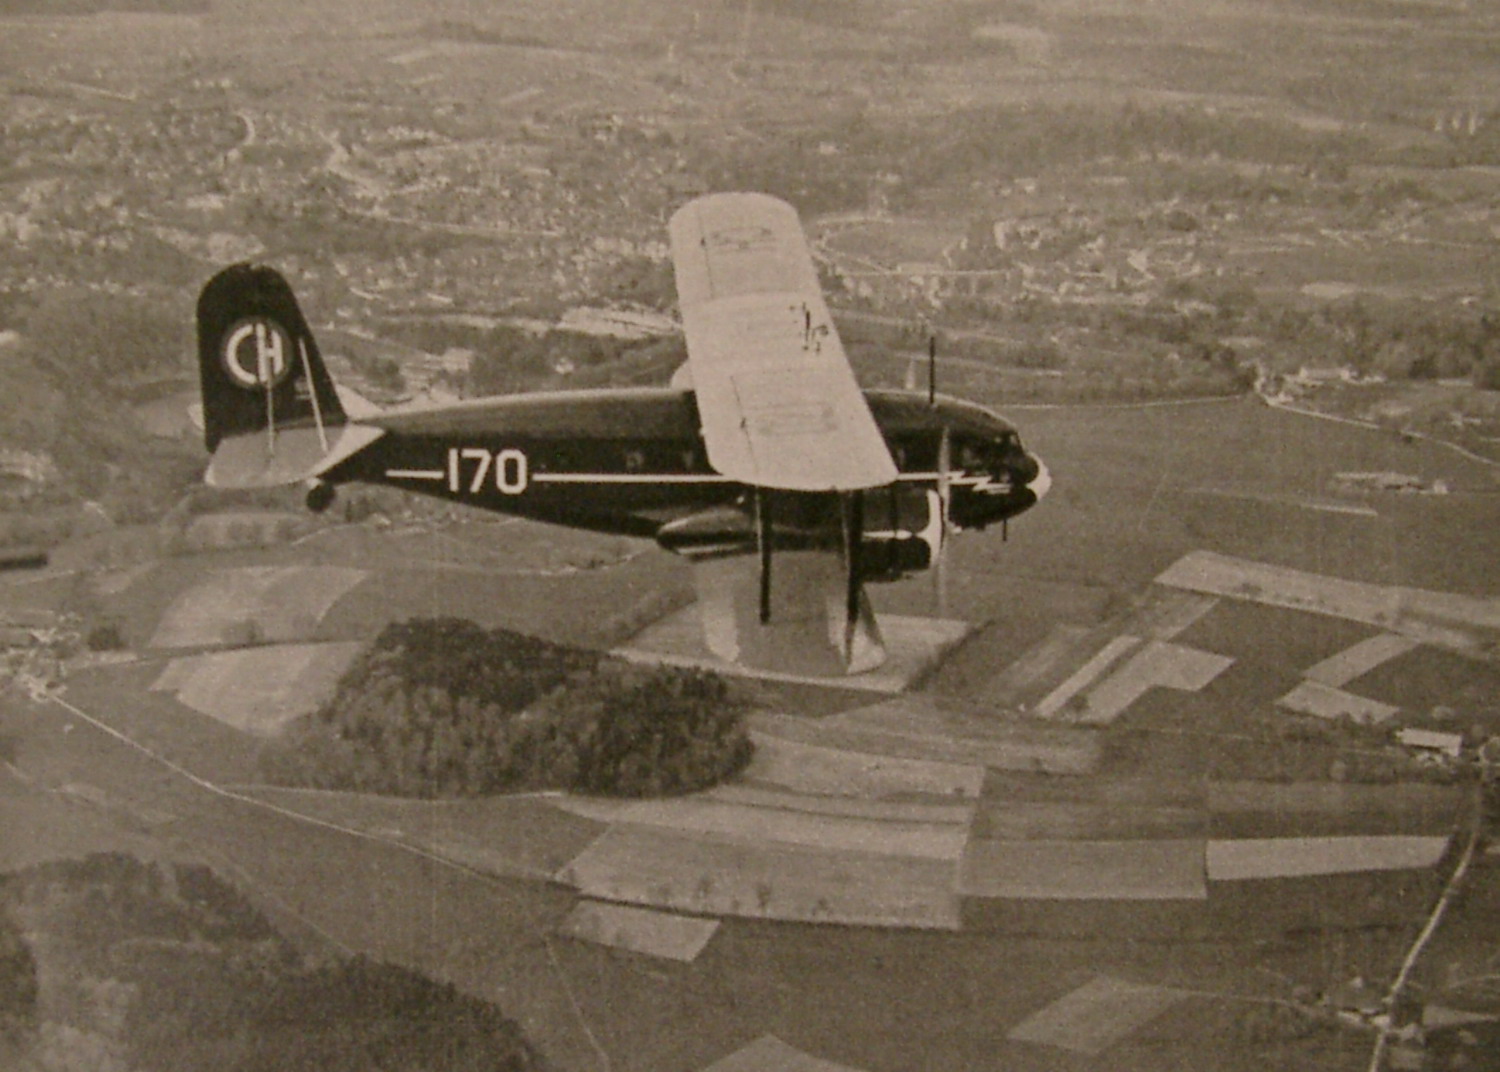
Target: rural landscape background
(1083, 200)
(1230, 265)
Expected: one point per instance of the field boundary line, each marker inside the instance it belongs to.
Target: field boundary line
(606, 1063)
(1155, 403)
(1450, 893)
(288, 813)
(1355, 422)
(282, 905)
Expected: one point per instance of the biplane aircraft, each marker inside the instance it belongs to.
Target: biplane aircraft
(764, 462)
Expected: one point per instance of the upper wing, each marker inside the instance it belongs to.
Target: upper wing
(779, 404)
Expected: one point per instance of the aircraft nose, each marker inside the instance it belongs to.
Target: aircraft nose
(1042, 481)
(1023, 467)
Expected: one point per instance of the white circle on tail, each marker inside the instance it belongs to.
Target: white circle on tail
(257, 353)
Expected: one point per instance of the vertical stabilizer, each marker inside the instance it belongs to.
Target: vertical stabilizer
(259, 363)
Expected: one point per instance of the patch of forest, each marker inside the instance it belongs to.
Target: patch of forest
(112, 963)
(441, 707)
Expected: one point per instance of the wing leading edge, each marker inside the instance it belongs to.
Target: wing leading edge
(778, 401)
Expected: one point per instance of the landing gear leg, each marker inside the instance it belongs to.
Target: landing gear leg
(763, 545)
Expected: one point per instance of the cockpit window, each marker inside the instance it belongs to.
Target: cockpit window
(970, 455)
(983, 452)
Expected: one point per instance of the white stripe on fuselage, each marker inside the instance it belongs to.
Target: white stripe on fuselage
(414, 474)
(544, 477)
(628, 478)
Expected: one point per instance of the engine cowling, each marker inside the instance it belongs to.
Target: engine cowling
(890, 558)
(903, 533)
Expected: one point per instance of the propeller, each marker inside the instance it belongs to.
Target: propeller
(945, 519)
(944, 485)
(932, 370)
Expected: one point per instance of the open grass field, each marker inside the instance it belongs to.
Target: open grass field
(640, 930)
(261, 689)
(1094, 1016)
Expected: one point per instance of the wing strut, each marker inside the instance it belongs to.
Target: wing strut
(312, 393)
(270, 416)
(854, 536)
(763, 545)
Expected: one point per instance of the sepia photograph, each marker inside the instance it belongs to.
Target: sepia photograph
(750, 536)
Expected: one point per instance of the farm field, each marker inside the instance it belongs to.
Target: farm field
(413, 879)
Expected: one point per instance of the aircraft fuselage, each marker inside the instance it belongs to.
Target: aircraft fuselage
(634, 462)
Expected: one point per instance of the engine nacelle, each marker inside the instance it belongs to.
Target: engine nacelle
(890, 558)
(903, 533)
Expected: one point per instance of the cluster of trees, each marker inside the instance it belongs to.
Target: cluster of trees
(110, 897)
(528, 362)
(636, 731)
(1308, 749)
(18, 986)
(441, 707)
(38, 528)
(1398, 340)
(509, 359)
(166, 966)
(347, 1016)
(381, 370)
(65, 391)
(1420, 343)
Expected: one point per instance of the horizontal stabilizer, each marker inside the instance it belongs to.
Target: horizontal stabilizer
(255, 460)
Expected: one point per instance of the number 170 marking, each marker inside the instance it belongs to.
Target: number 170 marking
(508, 465)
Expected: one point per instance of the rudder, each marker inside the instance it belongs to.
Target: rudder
(259, 364)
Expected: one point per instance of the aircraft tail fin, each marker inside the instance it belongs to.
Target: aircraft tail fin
(259, 363)
(271, 413)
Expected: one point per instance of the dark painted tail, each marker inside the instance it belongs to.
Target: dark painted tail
(271, 415)
(259, 364)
